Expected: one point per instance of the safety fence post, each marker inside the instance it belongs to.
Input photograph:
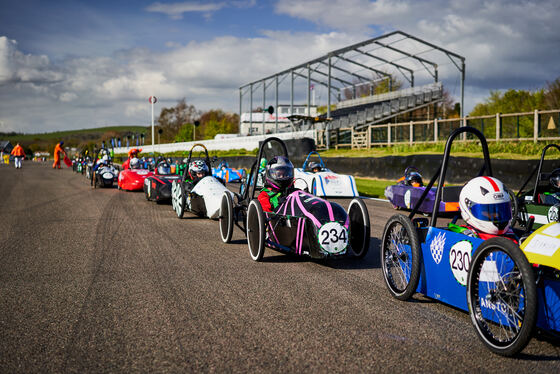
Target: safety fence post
(536, 126)
(498, 126)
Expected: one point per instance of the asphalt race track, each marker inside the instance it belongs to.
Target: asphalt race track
(104, 281)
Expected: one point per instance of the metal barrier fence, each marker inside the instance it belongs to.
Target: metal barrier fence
(241, 142)
(535, 126)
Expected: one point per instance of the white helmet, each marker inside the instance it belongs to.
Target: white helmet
(485, 205)
(134, 163)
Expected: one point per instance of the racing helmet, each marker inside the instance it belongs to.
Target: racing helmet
(279, 173)
(555, 179)
(135, 163)
(314, 166)
(413, 179)
(198, 169)
(163, 168)
(486, 205)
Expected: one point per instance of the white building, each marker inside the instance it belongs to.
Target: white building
(264, 123)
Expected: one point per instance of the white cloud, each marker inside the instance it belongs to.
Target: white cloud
(176, 10)
(7, 49)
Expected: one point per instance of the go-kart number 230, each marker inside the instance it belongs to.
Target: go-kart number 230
(333, 237)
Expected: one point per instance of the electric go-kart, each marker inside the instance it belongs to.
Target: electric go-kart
(303, 224)
(132, 179)
(507, 290)
(223, 171)
(322, 181)
(405, 195)
(201, 198)
(543, 200)
(102, 172)
(157, 187)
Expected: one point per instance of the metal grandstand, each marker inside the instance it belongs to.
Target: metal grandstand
(396, 55)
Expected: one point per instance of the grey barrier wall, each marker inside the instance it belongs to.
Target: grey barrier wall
(461, 169)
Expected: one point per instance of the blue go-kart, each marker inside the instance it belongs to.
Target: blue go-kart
(508, 290)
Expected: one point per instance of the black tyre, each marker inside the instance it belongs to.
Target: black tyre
(226, 217)
(255, 230)
(360, 229)
(400, 257)
(313, 187)
(514, 207)
(178, 199)
(147, 190)
(502, 296)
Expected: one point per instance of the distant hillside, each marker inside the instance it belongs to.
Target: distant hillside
(72, 138)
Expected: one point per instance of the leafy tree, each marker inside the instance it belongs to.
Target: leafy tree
(552, 94)
(171, 120)
(215, 122)
(510, 101)
(185, 133)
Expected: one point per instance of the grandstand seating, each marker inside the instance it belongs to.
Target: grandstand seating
(364, 111)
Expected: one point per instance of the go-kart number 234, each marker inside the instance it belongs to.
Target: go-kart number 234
(333, 237)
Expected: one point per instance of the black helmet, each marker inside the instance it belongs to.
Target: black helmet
(314, 165)
(279, 173)
(414, 178)
(555, 179)
(163, 168)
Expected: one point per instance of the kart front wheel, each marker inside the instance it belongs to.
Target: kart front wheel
(400, 257)
(314, 187)
(360, 228)
(255, 230)
(178, 199)
(502, 296)
(226, 217)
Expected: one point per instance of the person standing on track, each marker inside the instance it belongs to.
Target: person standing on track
(57, 151)
(19, 155)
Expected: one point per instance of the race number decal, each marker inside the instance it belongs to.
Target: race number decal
(333, 237)
(407, 199)
(553, 214)
(460, 260)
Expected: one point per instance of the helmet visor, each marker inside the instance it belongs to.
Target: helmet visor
(497, 213)
(281, 173)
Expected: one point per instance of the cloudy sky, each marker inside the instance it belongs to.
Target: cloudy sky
(71, 64)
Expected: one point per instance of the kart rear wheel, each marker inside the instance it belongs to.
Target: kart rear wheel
(255, 230)
(400, 257)
(178, 199)
(502, 296)
(360, 228)
(226, 217)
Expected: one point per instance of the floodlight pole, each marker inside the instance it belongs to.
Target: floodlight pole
(152, 101)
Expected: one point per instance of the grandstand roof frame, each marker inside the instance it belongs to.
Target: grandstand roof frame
(312, 66)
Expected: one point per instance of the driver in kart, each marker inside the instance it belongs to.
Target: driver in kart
(412, 178)
(198, 170)
(315, 167)
(486, 209)
(133, 153)
(279, 177)
(551, 198)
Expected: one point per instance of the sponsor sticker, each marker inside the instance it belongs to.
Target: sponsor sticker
(436, 247)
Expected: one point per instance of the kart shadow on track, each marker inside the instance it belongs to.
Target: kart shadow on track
(370, 261)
